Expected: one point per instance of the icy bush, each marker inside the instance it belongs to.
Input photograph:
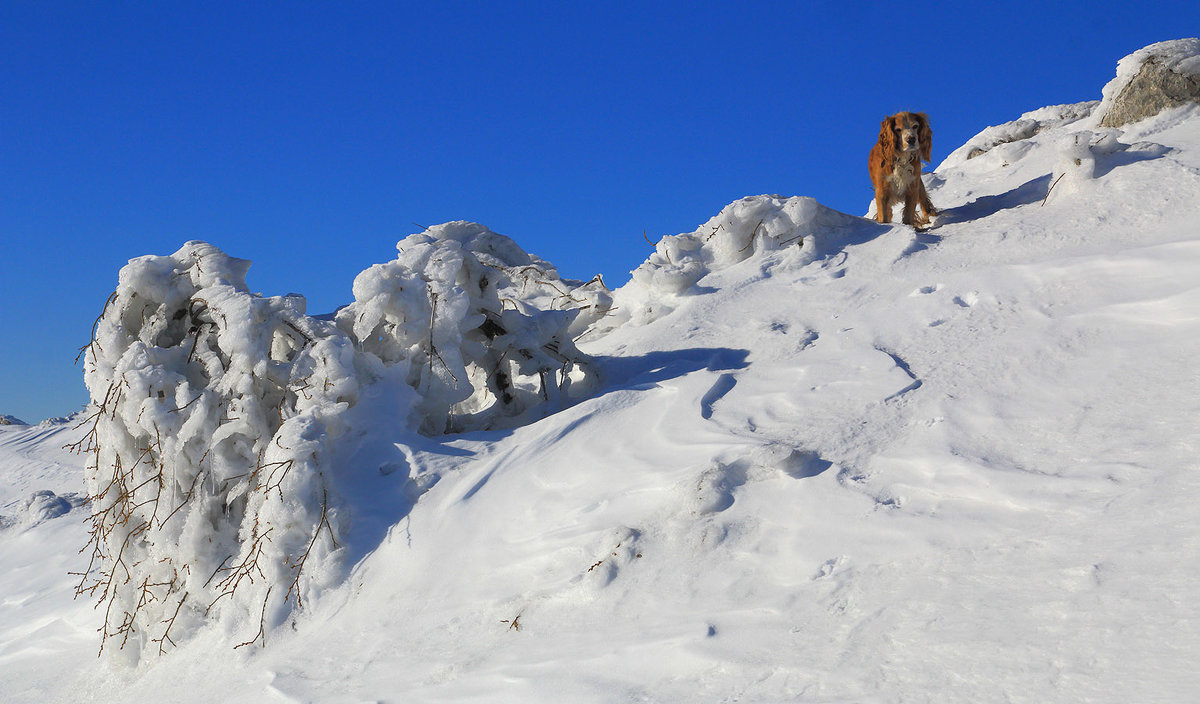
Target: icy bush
(212, 409)
(484, 329)
(1075, 165)
(220, 419)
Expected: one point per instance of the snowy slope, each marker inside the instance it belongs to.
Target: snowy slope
(831, 461)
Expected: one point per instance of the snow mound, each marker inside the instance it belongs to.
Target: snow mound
(1031, 123)
(226, 428)
(41, 506)
(747, 228)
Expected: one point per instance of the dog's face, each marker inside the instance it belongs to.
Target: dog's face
(908, 132)
(907, 128)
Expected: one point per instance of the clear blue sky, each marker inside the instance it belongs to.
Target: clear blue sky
(311, 137)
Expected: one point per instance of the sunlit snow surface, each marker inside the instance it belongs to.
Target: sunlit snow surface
(863, 464)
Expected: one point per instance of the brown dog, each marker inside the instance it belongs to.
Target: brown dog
(905, 140)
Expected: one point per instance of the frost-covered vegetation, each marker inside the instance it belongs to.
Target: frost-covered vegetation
(953, 465)
(218, 414)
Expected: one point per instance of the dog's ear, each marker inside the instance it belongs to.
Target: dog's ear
(887, 137)
(887, 134)
(926, 136)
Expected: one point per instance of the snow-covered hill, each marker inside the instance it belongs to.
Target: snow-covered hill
(828, 461)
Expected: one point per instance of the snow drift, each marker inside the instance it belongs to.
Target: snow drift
(814, 458)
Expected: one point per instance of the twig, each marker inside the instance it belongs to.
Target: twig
(95, 325)
(176, 410)
(303, 334)
(166, 636)
(1052, 187)
(262, 624)
(752, 234)
(298, 565)
(515, 623)
(432, 315)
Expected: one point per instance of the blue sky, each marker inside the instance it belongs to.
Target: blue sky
(311, 137)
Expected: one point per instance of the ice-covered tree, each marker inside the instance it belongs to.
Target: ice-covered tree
(219, 417)
(212, 410)
(486, 329)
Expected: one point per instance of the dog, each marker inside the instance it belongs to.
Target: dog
(905, 140)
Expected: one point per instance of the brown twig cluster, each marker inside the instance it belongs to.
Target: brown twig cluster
(136, 488)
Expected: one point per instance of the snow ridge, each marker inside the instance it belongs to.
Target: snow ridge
(813, 458)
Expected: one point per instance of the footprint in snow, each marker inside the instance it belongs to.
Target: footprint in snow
(723, 385)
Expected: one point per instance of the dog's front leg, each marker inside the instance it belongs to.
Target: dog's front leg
(883, 207)
(926, 204)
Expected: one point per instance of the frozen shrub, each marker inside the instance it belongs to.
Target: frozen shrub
(220, 419)
(212, 409)
(486, 330)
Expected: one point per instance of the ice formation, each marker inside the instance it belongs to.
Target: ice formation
(220, 419)
(484, 329)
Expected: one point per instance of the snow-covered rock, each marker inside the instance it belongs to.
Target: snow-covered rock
(1150, 80)
(1030, 124)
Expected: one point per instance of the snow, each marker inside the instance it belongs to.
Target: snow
(1178, 55)
(823, 460)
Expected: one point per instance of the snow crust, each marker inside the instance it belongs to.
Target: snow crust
(816, 459)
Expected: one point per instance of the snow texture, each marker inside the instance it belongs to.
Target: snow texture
(749, 228)
(821, 459)
(218, 416)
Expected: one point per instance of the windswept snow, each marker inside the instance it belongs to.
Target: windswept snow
(826, 460)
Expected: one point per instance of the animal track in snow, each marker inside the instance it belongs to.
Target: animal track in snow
(714, 489)
(963, 301)
(903, 366)
(723, 385)
(792, 461)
